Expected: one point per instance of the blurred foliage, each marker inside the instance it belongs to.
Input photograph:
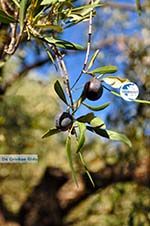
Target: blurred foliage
(119, 204)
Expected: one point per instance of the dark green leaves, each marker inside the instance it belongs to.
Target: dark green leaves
(92, 60)
(69, 156)
(63, 44)
(97, 108)
(139, 6)
(60, 92)
(4, 18)
(103, 70)
(23, 8)
(51, 132)
(110, 135)
(86, 118)
(81, 140)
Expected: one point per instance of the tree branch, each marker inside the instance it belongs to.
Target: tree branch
(23, 72)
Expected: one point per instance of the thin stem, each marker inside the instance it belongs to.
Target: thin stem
(88, 47)
(64, 73)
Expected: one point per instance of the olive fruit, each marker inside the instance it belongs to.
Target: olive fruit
(93, 89)
(64, 121)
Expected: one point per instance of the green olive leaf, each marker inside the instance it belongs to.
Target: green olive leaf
(4, 18)
(64, 44)
(60, 92)
(86, 118)
(47, 2)
(51, 132)
(97, 122)
(22, 12)
(115, 82)
(110, 135)
(103, 70)
(81, 139)
(92, 60)
(137, 100)
(85, 168)
(142, 101)
(69, 156)
(139, 7)
(97, 108)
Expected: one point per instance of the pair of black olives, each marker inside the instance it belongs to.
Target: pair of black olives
(93, 90)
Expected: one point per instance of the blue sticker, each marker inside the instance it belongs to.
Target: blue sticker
(129, 91)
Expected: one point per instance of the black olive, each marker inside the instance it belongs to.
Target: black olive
(64, 121)
(93, 89)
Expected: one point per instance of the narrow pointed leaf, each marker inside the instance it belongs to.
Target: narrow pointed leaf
(115, 82)
(142, 101)
(16, 3)
(4, 18)
(97, 122)
(97, 108)
(51, 132)
(137, 100)
(60, 92)
(86, 118)
(69, 156)
(47, 2)
(139, 7)
(85, 7)
(23, 8)
(104, 70)
(81, 140)
(92, 60)
(111, 135)
(64, 44)
(85, 168)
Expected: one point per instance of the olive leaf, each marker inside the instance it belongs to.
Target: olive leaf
(86, 118)
(92, 60)
(4, 18)
(69, 156)
(16, 3)
(56, 28)
(91, 119)
(22, 12)
(64, 44)
(46, 2)
(51, 132)
(85, 168)
(110, 135)
(81, 140)
(97, 122)
(115, 82)
(88, 6)
(60, 92)
(137, 100)
(97, 108)
(103, 70)
(139, 7)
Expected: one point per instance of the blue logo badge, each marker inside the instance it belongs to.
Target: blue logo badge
(129, 91)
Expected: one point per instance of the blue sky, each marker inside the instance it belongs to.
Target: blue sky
(74, 61)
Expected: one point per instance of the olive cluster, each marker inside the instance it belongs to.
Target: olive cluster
(93, 90)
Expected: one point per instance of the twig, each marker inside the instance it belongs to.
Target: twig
(88, 47)
(64, 73)
(25, 71)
